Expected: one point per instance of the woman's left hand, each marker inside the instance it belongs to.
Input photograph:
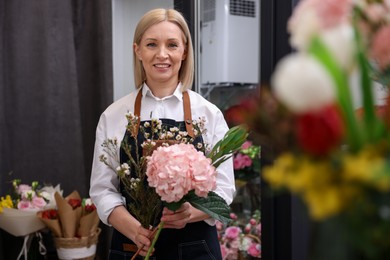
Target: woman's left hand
(179, 218)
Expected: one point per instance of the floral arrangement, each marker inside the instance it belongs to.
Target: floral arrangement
(18, 209)
(246, 162)
(168, 173)
(74, 225)
(335, 155)
(28, 197)
(240, 240)
(73, 217)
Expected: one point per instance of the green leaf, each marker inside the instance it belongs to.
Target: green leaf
(322, 53)
(230, 143)
(214, 205)
(374, 128)
(174, 205)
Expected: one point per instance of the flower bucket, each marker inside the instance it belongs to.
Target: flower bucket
(77, 248)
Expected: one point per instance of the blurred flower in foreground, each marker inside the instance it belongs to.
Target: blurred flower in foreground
(334, 154)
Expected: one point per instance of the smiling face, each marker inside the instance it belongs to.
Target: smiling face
(162, 50)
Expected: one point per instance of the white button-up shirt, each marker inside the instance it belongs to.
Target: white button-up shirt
(104, 189)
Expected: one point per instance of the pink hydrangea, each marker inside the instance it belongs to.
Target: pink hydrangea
(177, 169)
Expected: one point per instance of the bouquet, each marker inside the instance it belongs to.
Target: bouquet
(240, 240)
(168, 173)
(336, 148)
(74, 225)
(18, 209)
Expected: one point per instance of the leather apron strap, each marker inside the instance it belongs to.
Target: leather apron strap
(186, 107)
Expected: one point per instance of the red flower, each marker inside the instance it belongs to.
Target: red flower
(240, 113)
(75, 203)
(50, 214)
(320, 131)
(90, 208)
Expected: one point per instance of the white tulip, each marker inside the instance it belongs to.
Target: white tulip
(341, 44)
(302, 83)
(303, 28)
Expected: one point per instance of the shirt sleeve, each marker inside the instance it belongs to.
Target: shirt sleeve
(104, 181)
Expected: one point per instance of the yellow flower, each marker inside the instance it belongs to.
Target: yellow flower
(309, 174)
(5, 203)
(367, 167)
(329, 200)
(297, 173)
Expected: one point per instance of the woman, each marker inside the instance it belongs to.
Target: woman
(163, 70)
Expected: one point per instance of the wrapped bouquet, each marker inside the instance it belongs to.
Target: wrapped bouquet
(74, 225)
(18, 209)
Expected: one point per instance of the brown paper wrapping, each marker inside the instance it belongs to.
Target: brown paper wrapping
(69, 217)
(88, 224)
(53, 224)
(73, 228)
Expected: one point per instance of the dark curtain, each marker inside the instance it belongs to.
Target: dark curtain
(55, 80)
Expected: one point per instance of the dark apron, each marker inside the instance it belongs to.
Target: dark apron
(196, 241)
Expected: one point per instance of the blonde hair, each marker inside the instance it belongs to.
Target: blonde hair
(186, 73)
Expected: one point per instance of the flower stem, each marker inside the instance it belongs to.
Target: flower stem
(159, 228)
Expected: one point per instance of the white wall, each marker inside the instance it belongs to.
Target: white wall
(125, 16)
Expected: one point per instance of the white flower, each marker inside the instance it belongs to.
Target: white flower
(246, 242)
(302, 83)
(302, 28)
(48, 192)
(340, 42)
(28, 194)
(88, 202)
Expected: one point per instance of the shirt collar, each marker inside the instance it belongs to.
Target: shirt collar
(146, 92)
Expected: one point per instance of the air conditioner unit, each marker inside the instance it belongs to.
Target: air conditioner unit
(230, 42)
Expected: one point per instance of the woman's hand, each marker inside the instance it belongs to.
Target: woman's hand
(125, 223)
(179, 218)
(143, 239)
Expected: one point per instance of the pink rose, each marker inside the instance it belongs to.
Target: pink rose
(233, 216)
(22, 188)
(246, 145)
(241, 161)
(177, 169)
(232, 232)
(38, 202)
(252, 221)
(254, 250)
(24, 205)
